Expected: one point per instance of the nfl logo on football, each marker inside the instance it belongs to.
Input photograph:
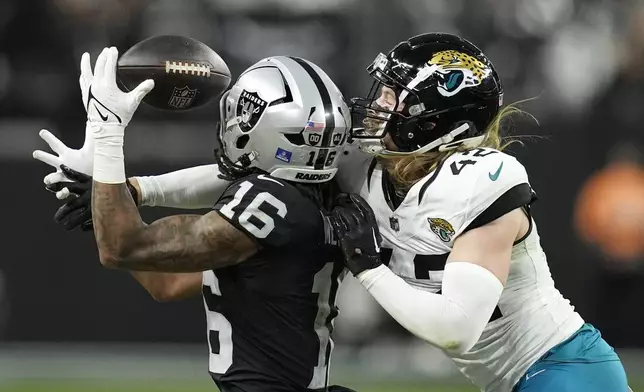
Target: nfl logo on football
(182, 97)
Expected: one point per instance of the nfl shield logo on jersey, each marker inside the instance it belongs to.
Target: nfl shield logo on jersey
(442, 228)
(393, 223)
(182, 97)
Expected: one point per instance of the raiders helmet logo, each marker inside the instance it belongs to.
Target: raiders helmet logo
(337, 138)
(249, 110)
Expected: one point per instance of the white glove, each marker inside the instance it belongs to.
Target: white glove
(81, 160)
(107, 105)
(109, 110)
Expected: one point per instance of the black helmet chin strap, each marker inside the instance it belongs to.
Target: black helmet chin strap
(231, 171)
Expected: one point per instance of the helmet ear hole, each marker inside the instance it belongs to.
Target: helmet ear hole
(241, 141)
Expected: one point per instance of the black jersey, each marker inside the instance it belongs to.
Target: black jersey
(270, 317)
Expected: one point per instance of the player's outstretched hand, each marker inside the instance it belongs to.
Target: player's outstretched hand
(106, 103)
(356, 230)
(109, 111)
(77, 210)
(81, 160)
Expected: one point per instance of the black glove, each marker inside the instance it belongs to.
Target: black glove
(356, 230)
(77, 210)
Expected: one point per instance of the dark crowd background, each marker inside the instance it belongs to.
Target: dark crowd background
(581, 61)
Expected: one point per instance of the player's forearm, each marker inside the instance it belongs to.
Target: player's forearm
(116, 221)
(164, 286)
(452, 321)
(184, 243)
(179, 243)
(125, 241)
(192, 188)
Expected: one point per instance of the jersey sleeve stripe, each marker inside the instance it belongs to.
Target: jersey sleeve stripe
(423, 264)
(518, 196)
(430, 181)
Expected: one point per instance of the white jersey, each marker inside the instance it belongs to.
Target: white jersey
(468, 190)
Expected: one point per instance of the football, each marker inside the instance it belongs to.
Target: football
(186, 72)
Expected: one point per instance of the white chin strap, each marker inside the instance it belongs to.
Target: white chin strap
(444, 143)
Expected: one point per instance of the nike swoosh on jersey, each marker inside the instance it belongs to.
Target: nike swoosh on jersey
(529, 376)
(91, 97)
(496, 174)
(263, 177)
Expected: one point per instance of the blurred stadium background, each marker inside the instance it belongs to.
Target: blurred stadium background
(68, 325)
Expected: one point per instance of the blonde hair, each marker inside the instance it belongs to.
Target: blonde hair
(406, 170)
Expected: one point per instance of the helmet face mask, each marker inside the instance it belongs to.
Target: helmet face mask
(370, 114)
(242, 166)
(285, 117)
(440, 83)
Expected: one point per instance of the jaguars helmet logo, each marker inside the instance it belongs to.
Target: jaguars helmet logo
(442, 228)
(456, 71)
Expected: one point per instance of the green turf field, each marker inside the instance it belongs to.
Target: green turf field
(163, 386)
(175, 386)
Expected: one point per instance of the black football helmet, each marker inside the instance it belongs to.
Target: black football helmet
(446, 93)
